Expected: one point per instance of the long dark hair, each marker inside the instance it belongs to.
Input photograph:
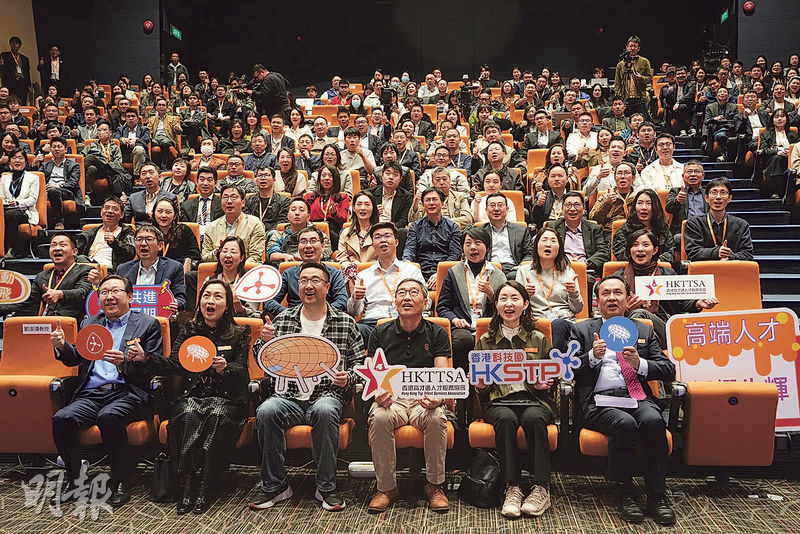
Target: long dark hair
(561, 261)
(227, 326)
(173, 230)
(290, 178)
(526, 321)
(336, 188)
(242, 253)
(657, 220)
(373, 218)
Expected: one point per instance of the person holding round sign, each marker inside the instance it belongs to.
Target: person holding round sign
(231, 256)
(110, 352)
(644, 253)
(210, 355)
(525, 405)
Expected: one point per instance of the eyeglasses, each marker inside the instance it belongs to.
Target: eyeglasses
(146, 239)
(313, 241)
(315, 280)
(573, 206)
(230, 198)
(413, 293)
(113, 292)
(496, 205)
(382, 237)
(721, 194)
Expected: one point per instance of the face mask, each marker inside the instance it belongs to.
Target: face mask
(206, 150)
(395, 84)
(356, 103)
(404, 79)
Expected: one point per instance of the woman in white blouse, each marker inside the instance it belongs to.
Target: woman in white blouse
(549, 279)
(20, 191)
(297, 125)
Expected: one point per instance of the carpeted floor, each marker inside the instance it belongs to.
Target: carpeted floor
(581, 504)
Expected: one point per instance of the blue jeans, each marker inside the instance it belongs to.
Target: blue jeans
(275, 415)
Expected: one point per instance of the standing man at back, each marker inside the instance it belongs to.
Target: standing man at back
(633, 77)
(268, 91)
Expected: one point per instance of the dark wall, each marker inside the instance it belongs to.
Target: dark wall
(99, 39)
(771, 30)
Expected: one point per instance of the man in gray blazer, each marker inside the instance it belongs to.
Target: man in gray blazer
(511, 243)
(586, 241)
(62, 178)
(140, 204)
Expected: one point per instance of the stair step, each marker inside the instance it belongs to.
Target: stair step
(757, 204)
(93, 211)
(747, 194)
(736, 183)
(90, 220)
(26, 266)
(777, 247)
(782, 301)
(771, 263)
(775, 231)
(777, 283)
(763, 217)
(717, 166)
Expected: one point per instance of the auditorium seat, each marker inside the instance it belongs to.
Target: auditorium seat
(207, 268)
(31, 231)
(70, 206)
(736, 283)
(610, 267)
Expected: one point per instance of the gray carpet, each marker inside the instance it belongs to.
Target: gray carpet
(581, 504)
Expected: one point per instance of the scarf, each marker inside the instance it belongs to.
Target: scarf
(633, 270)
(16, 183)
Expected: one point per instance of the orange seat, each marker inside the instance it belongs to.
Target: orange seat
(518, 200)
(614, 227)
(583, 284)
(31, 231)
(207, 268)
(610, 267)
(70, 206)
(27, 368)
(323, 227)
(593, 443)
(736, 283)
(537, 158)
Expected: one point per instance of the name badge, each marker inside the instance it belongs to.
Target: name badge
(640, 340)
(534, 350)
(133, 342)
(225, 347)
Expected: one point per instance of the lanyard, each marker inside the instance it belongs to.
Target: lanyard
(97, 245)
(107, 150)
(711, 229)
(165, 248)
(550, 292)
(473, 296)
(261, 209)
(394, 282)
(238, 224)
(61, 279)
(667, 177)
(326, 207)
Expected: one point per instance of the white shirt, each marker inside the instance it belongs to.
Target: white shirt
(300, 186)
(576, 141)
(661, 178)
(479, 209)
(100, 252)
(311, 328)
(755, 123)
(147, 277)
(353, 160)
(458, 182)
(595, 184)
(610, 376)
(379, 299)
(501, 246)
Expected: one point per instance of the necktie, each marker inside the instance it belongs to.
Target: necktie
(631, 379)
(203, 211)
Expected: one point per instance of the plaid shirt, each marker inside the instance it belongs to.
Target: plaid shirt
(339, 328)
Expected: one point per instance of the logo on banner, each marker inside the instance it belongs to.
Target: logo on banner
(93, 341)
(14, 288)
(744, 345)
(675, 287)
(152, 300)
(258, 284)
(411, 382)
(512, 366)
(298, 358)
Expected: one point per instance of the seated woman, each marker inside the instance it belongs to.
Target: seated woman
(529, 406)
(598, 102)
(468, 292)
(643, 249)
(231, 259)
(556, 155)
(328, 202)
(599, 155)
(209, 414)
(8, 144)
(179, 183)
(286, 176)
(297, 125)
(551, 283)
(252, 125)
(355, 244)
(491, 184)
(774, 154)
(647, 213)
(235, 143)
(20, 192)
(180, 243)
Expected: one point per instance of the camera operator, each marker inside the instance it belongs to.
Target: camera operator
(634, 77)
(269, 92)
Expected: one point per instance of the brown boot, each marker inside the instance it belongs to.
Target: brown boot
(382, 500)
(437, 500)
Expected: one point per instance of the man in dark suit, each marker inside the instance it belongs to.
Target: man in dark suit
(601, 373)
(15, 69)
(52, 69)
(134, 140)
(511, 243)
(747, 124)
(220, 112)
(61, 290)
(542, 137)
(687, 201)
(112, 391)
(718, 236)
(511, 178)
(150, 269)
(277, 140)
(390, 192)
(140, 204)
(719, 122)
(368, 140)
(422, 127)
(62, 178)
(549, 205)
(208, 206)
(679, 100)
(583, 239)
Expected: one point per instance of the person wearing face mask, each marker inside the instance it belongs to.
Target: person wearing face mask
(206, 157)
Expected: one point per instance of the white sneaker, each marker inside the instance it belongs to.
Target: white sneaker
(537, 502)
(511, 506)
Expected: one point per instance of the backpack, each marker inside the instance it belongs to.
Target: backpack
(481, 485)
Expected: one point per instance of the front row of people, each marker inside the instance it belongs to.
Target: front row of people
(210, 409)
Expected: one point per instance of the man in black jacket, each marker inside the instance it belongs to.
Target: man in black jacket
(583, 239)
(268, 91)
(15, 69)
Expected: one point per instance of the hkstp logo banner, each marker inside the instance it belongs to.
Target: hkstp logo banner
(152, 300)
(745, 345)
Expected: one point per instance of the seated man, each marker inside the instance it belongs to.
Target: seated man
(433, 238)
(549, 205)
(511, 242)
(113, 391)
(237, 177)
(644, 152)
(687, 201)
(511, 178)
(282, 246)
(412, 341)
(718, 235)
(389, 153)
(615, 203)
(372, 296)
(355, 156)
(205, 208)
(441, 160)
(321, 137)
(134, 140)
(491, 134)
(14, 104)
(271, 207)
(321, 407)
(277, 140)
(407, 155)
(626, 374)
(260, 157)
(666, 172)
(219, 112)
(247, 227)
(748, 123)
(61, 290)
(581, 142)
(458, 159)
(103, 159)
(368, 141)
(88, 130)
(394, 202)
(139, 206)
(718, 124)
(617, 121)
(62, 178)
(583, 239)
(207, 157)
(455, 206)
(601, 177)
(110, 244)
(164, 131)
(543, 137)
(150, 268)
(193, 122)
(309, 250)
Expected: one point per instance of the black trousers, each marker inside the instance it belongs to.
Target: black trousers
(624, 426)
(56, 197)
(533, 420)
(463, 342)
(13, 218)
(111, 411)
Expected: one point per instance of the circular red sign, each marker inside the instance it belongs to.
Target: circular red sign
(93, 341)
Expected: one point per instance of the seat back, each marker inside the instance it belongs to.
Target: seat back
(518, 199)
(28, 353)
(323, 227)
(254, 324)
(537, 157)
(195, 228)
(583, 284)
(163, 322)
(610, 267)
(736, 283)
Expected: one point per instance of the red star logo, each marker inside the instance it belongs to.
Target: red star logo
(377, 373)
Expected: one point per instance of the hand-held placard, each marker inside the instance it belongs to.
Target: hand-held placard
(619, 333)
(258, 284)
(93, 341)
(300, 358)
(197, 353)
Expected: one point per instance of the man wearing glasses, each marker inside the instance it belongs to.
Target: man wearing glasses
(321, 406)
(112, 391)
(718, 235)
(235, 223)
(310, 244)
(583, 239)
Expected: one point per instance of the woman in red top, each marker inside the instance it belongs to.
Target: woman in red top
(328, 202)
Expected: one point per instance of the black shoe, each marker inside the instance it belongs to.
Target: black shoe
(268, 499)
(120, 495)
(630, 510)
(330, 500)
(185, 503)
(659, 509)
(201, 503)
(67, 495)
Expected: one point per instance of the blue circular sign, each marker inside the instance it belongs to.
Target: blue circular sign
(618, 333)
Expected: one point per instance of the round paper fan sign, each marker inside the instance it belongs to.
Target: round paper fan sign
(618, 333)
(93, 341)
(197, 354)
(258, 284)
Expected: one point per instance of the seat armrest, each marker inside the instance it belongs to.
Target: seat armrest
(63, 388)
(677, 402)
(566, 390)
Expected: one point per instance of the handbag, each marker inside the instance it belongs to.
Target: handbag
(162, 488)
(480, 486)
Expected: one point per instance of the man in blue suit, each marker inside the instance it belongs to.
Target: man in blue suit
(112, 391)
